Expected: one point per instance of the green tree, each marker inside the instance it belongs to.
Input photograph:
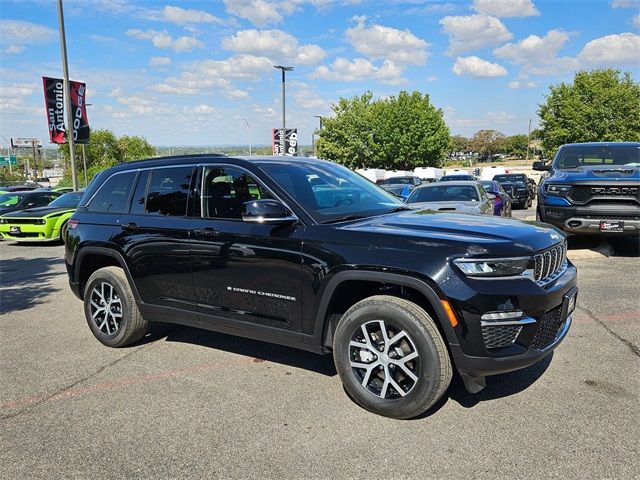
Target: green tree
(516, 145)
(401, 132)
(487, 142)
(458, 143)
(600, 105)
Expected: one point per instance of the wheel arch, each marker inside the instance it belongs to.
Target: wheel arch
(427, 298)
(91, 259)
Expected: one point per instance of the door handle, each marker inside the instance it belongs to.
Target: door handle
(205, 233)
(130, 227)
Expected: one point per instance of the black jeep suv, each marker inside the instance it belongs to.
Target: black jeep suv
(309, 254)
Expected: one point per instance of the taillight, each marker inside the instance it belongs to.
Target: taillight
(73, 224)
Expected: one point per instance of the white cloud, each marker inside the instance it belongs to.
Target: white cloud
(183, 16)
(500, 117)
(360, 69)
(625, 3)
(386, 43)
(17, 90)
(307, 98)
(159, 61)
(636, 21)
(266, 112)
(477, 67)
(203, 109)
(534, 49)
(260, 12)
(474, 32)
(621, 49)
(18, 32)
(275, 44)
(13, 49)
(164, 40)
(519, 84)
(506, 8)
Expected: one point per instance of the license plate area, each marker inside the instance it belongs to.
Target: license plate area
(15, 230)
(611, 226)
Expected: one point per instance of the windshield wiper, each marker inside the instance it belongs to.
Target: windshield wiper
(399, 209)
(343, 219)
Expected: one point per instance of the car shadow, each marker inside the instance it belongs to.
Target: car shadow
(259, 351)
(18, 277)
(608, 246)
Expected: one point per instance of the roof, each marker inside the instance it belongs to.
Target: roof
(602, 144)
(462, 183)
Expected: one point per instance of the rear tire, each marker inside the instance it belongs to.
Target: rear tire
(401, 367)
(110, 308)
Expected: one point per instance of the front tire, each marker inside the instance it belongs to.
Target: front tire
(63, 232)
(110, 308)
(390, 357)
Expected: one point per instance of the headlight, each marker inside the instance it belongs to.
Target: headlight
(557, 189)
(41, 222)
(2, 220)
(492, 267)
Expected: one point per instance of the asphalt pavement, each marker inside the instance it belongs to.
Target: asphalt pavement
(185, 403)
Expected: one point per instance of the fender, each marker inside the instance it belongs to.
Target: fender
(383, 277)
(107, 252)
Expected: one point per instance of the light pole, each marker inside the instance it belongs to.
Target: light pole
(67, 95)
(284, 125)
(528, 140)
(315, 142)
(248, 128)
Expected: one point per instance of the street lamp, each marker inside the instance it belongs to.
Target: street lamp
(284, 126)
(315, 142)
(248, 128)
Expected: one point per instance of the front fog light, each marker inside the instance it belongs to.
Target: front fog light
(502, 315)
(488, 267)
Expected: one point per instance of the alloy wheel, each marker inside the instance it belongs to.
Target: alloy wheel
(384, 359)
(106, 308)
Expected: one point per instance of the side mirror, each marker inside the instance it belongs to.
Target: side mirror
(491, 195)
(266, 211)
(541, 166)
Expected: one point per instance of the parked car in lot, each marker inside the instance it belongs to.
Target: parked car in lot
(40, 224)
(62, 189)
(461, 197)
(502, 202)
(458, 178)
(400, 186)
(592, 188)
(18, 187)
(243, 246)
(23, 199)
(518, 187)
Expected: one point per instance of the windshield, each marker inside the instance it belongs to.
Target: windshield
(518, 178)
(450, 178)
(397, 181)
(487, 185)
(598, 156)
(444, 193)
(70, 200)
(10, 199)
(328, 191)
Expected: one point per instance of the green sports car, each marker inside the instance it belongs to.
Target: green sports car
(40, 224)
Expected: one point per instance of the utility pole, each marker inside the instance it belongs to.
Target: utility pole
(283, 140)
(315, 142)
(528, 140)
(248, 128)
(67, 96)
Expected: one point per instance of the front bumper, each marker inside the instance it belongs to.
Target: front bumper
(586, 220)
(29, 232)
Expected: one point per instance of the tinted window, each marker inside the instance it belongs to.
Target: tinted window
(398, 181)
(584, 156)
(139, 194)
(225, 189)
(10, 199)
(168, 191)
(444, 193)
(510, 178)
(40, 200)
(70, 200)
(113, 195)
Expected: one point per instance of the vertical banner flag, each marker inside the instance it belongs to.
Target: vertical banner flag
(54, 99)
(79, 109)
(291, 141)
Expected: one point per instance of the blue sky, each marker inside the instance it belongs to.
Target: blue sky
(188, 72)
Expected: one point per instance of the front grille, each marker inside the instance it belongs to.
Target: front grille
(550, 263)
(21, 221)
(496, 336)
(584, 193)
(548, 329)
(611, 217)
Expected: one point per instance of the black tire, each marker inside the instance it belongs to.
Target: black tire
(131, 327)
(432, 369)
(63, 232)
(539, 215)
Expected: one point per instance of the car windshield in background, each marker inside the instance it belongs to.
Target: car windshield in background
(330, 192)
(598, 156)
(453, 178)
(487, 185)
(10, 199)
(397, 181)
(70, 200)
(518, 178)
(444, 193)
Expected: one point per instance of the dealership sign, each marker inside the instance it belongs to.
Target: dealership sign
(54, 101)
(290, 144)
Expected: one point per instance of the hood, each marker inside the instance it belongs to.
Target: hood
(600, 172)
(39, 212)
(475, 234)
(460, 207)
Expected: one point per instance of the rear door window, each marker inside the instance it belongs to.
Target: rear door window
(168, 191)
(113, 195)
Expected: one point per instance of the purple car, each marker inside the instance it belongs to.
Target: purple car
(502, 203)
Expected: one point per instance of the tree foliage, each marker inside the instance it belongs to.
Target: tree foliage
(398, 132)
(487, 143)
(515, 145)
(458, 143)
(600, 105)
